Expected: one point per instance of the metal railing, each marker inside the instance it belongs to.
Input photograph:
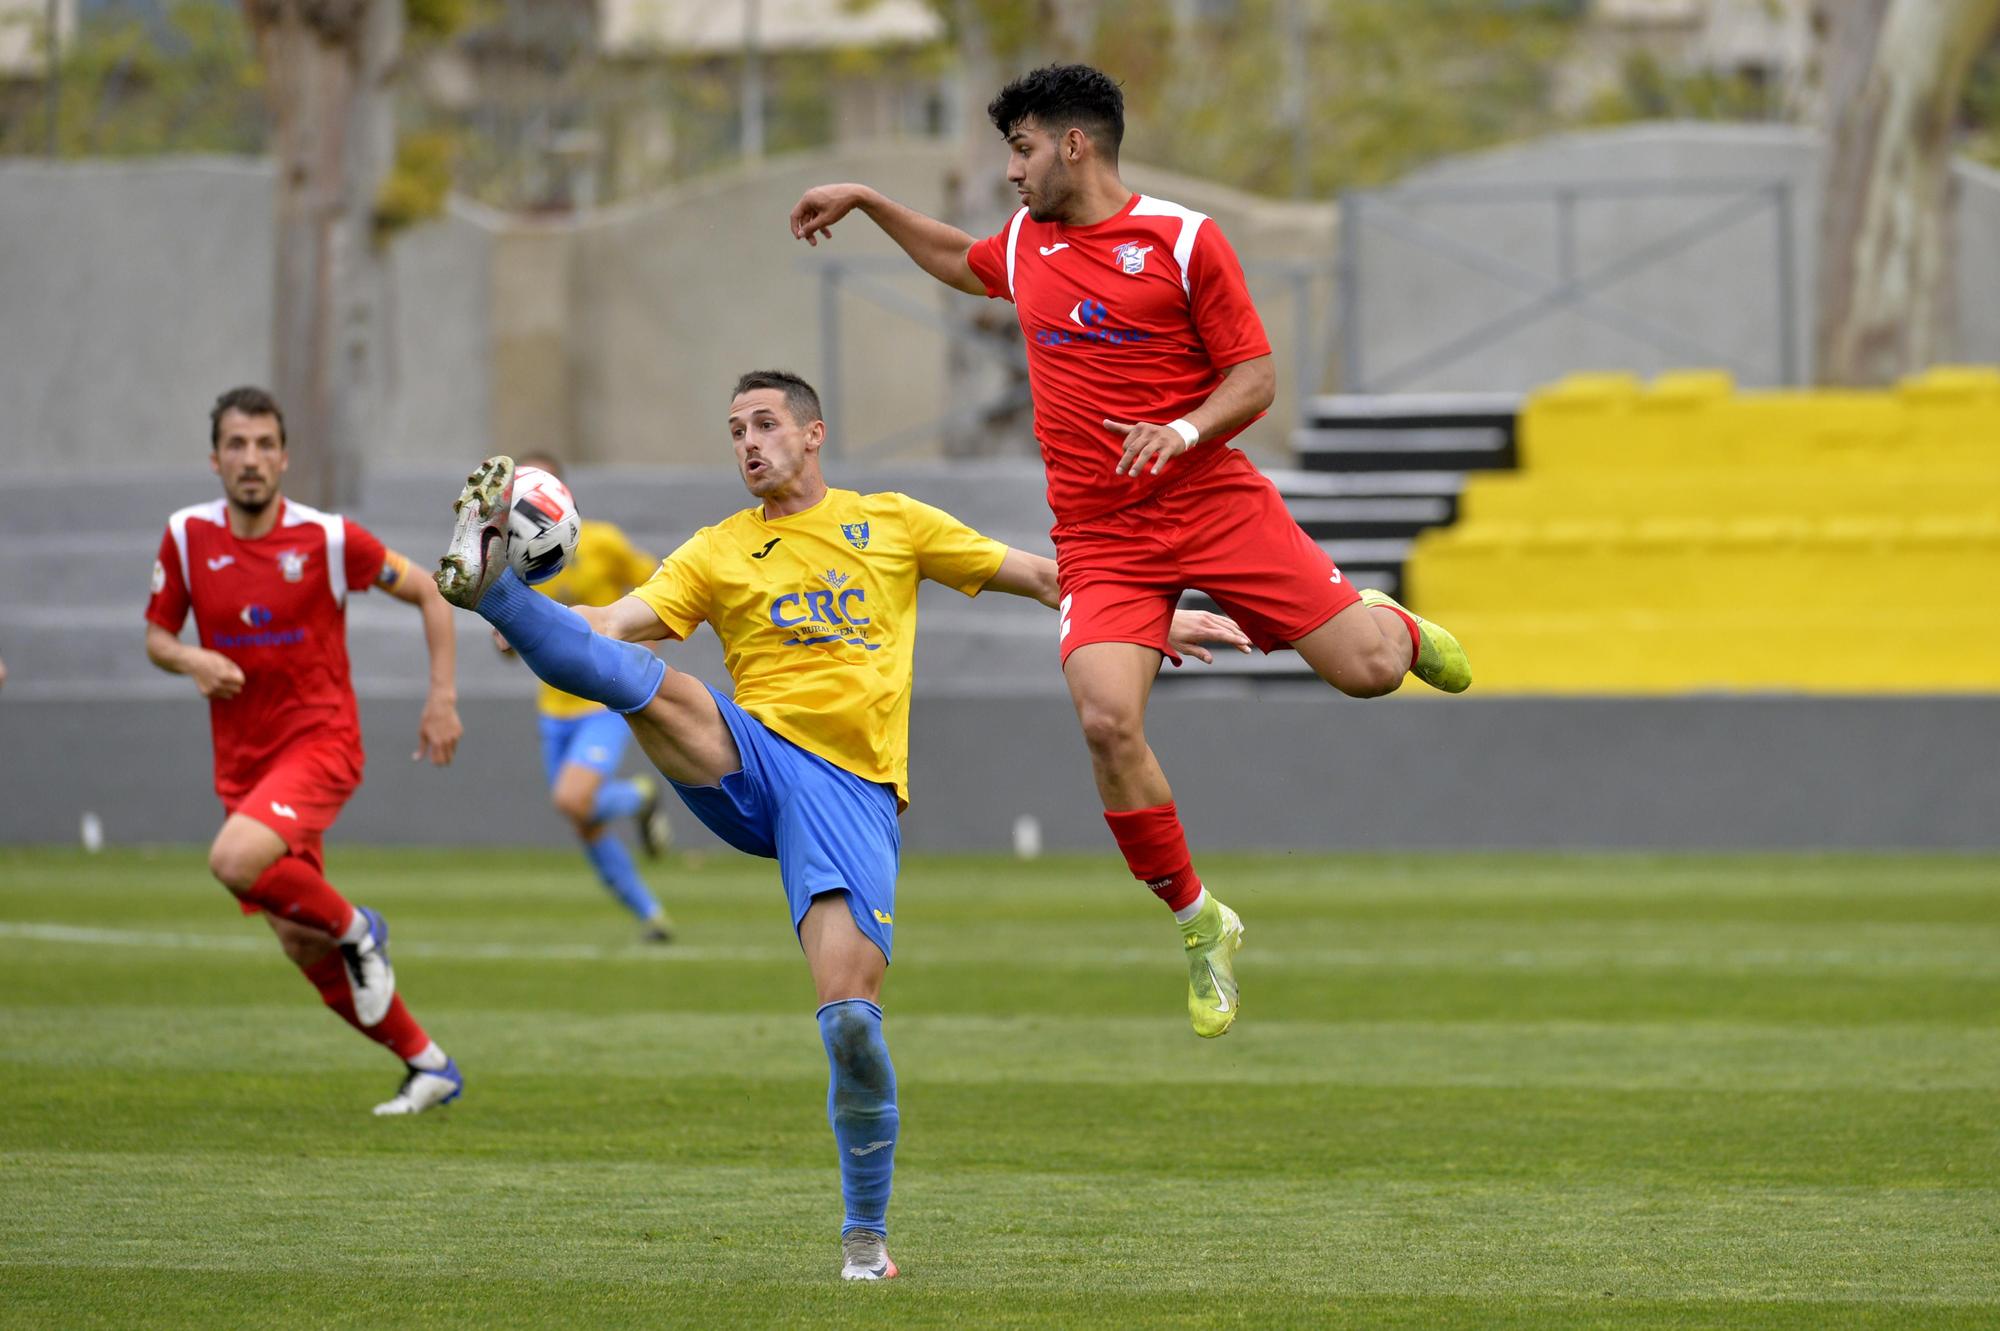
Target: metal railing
(1573, 289)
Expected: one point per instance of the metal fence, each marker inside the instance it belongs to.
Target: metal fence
(1535, 295)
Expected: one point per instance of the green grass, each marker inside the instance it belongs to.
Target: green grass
(1492, 1091)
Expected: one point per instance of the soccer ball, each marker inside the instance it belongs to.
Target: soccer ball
(542, 528)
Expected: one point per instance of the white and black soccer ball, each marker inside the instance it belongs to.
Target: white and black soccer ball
(542, 526)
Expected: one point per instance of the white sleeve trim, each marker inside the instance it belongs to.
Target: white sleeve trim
(1013, 239)
(215, 511)
(1190, 220)
(335, 527)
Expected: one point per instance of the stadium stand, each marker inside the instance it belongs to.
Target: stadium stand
(1685, 536)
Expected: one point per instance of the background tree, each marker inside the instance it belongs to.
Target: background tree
(1895, 73)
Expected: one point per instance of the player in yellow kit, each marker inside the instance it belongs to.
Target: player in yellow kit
(814, 595)
(583, 743)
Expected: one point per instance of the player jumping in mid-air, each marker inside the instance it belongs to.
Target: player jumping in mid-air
(814, 595)
(268, 582)
(582, 743)
(1145, 357)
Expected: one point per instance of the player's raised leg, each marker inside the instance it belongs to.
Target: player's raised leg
(847, 972)
(1110, 682)
(255, 863)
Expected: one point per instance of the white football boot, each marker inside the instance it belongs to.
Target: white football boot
(423, 1090)
(478, 549)
(865, 1256)
(369, 977)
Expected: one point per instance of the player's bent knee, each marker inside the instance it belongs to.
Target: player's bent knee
(235, 868)
(1111, 732)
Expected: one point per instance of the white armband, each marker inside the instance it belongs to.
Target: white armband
(1185, 429)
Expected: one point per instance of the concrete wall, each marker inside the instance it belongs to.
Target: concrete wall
(1308, 771)
(131, 293)
(1721, 292)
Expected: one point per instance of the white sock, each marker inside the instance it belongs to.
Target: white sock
(1188, 912)
(356, 930)
(432, 1059)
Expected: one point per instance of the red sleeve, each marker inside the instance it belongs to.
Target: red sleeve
(168, 606)
(1224, 318)
(988, 258)
(365, 555)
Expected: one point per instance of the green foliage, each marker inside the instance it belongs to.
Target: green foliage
(1647, 91)
(418, 184)
(129, 91)
(1387, 85)
(435, 20)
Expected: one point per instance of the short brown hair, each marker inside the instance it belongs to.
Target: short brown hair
(800, 399)
(249, 402)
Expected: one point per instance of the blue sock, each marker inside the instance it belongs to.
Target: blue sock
(861, 1104)
(616, 799)
(560, 648)
(615, 868)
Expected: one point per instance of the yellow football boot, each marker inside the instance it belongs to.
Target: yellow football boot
(1212, 938)
(1441, 662)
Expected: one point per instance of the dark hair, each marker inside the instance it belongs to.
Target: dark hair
(1057, 97)
(548, 462)
(800, 399)
(250, 402)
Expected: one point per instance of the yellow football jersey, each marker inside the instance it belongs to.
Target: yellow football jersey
(605, 567)
(817, 613)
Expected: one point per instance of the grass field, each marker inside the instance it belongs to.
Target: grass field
(1479, 1091)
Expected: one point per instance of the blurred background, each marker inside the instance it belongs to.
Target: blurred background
(1649, 344)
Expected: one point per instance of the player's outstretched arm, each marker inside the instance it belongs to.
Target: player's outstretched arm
(628, 619)
(214, 674)
(938, 248)
(438, 729)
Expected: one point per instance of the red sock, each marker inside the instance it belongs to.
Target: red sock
(398, 1030)
(292, 889)
(1410, 623)
(1156, 851)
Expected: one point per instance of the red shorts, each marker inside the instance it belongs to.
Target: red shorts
(298, 796)
(1226, 532)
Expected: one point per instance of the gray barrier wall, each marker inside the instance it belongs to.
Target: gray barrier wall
(1271, 773)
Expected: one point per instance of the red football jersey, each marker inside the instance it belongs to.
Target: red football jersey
(277, 607)
(1133, 319)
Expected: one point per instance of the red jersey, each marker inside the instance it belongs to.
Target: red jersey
(1133, 319)
(277, 607)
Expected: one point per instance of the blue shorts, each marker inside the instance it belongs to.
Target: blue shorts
(828, 829)
(595, 740)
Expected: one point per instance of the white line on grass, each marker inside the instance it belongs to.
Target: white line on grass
(1554, 959)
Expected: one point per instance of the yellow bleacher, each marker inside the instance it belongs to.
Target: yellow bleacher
(1685, 536)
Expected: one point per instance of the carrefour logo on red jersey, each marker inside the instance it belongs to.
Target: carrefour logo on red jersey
(258, 618)
(1093, 322)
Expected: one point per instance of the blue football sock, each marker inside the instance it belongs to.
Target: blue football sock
(560, 648)
(615, 869)
(616, 799)
(861, 1104)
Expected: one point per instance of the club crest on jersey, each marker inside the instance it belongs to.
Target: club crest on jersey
(856, 534)
(292, 564)
(1131, 257)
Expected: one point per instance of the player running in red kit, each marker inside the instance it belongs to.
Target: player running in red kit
(268, 582)
(1145, 357)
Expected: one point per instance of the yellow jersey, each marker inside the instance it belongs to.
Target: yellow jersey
(605, 567)
(817, 613)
